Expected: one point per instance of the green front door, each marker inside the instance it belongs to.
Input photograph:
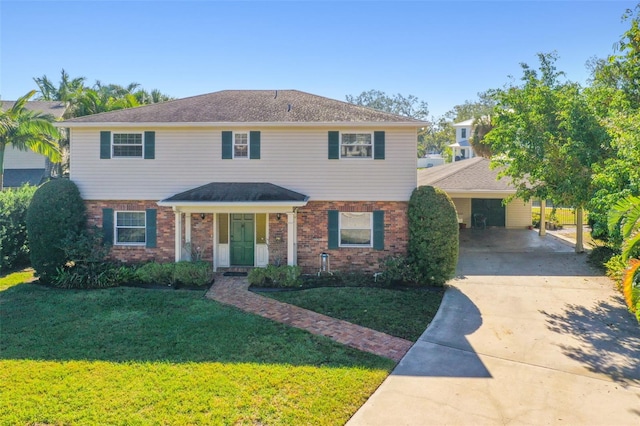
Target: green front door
(490, 208)
(242, 239)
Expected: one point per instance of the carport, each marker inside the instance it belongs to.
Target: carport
(476, 190)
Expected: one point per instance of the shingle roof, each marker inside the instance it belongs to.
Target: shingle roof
(250, 106)
(235, 192)
(54, 108)
(473, 174)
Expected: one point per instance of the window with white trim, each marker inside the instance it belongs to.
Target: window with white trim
(356, 229)
(463, 133)
(356, 145)
(130, 228)
(127, 145)
(240, 145)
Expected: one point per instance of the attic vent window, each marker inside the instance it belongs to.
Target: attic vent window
(289, 108)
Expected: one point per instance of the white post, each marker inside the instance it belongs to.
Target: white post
(187, 235)
(291, 239)
(543, 209)
(579, 239)
(178, 235)
(215, 247)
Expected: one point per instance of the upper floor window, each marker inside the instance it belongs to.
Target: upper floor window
(127, 145)
(358, 145)
(355, 229)
(240, 145)
(130, 228)
(463, 133)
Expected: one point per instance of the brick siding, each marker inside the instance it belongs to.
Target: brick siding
(312, 235)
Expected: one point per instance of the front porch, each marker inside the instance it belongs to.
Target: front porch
(236, 225)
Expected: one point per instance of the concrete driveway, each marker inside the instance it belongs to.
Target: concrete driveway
(528, 334)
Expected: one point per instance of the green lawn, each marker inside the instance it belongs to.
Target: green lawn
(402, 313)
(133, 356)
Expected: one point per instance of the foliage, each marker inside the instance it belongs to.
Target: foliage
(599, 256)
(625, 215)
(157, 273)
(615, 267)
(14, 250)
(15, 278)
(275, 276)
(546, 137)
(404, 313)
(130, 355)
(193, 274)
(26, 130)
(399, 271)
(631, 285)
(433, 235)
(185, 273)
(56, 212)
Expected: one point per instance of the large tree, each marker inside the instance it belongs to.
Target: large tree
(547, 138)
(615, 95)
(25, 130)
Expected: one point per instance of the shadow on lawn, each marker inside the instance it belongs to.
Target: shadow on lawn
(609, 338)
(132, 324)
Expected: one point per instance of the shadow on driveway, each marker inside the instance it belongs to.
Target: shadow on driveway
(443, 350)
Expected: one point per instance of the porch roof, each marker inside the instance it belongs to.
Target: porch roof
(235, 193)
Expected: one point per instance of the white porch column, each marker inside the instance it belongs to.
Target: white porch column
(543, 207)
(291, 240)
(178, 236)
(187, 236)
(214, 245)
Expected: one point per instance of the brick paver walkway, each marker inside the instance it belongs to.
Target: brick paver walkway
(234, 291)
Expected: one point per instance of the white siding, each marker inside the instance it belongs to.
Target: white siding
(16, 159)
(296, 159)
(518, 214)
(463, 207)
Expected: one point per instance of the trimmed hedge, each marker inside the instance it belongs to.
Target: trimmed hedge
(185, 273)
(14, 249)
(56, 212)
(433, 235)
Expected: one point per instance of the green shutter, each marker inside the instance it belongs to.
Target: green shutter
(105, 145)
(254, 145)
(107, 226)
(151, 227)
(334, 145)
(333, 222)
(149, 145)
(378, 145)
(378, 230)
(227, 145)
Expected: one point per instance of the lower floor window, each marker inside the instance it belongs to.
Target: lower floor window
(355, 229)
(130, 228)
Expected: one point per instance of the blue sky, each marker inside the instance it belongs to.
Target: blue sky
(442, 52)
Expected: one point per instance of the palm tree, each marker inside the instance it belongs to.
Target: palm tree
(67, 91)
(626, 214)
(27, 130)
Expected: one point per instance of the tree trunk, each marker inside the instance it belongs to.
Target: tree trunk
(2, 146)
(542, 231)
(579, 231)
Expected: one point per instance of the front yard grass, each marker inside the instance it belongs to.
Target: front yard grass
(402, 313)
(134, 356)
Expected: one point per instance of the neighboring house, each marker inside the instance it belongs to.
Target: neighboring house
(430, 160)
(462, 149)
(21, 167)
(247, 178)
(477, 193)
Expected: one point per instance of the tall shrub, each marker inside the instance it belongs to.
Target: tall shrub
(433, 235)
(56, 212)
(14, 251)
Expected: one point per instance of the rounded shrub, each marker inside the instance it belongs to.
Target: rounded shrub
(14, 251)
(433, 235)
(56, 212)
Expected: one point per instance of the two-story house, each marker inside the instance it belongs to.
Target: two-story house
(244, 178)
(28, 167)
(462, 148)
